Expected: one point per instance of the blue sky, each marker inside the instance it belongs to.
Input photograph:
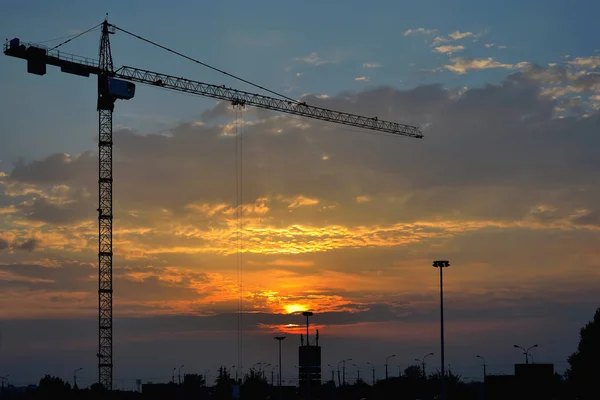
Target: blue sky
(262, 42)
(500, 185)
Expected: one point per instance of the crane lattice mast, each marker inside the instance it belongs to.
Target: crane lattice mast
(106, 105)
(113, 85)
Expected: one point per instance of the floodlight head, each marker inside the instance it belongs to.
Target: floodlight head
(441, 264)
(307, 313)
(279, 337)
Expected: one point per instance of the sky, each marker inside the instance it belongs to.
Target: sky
(335, 219)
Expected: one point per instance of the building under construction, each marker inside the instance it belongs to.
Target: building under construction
(309, 364)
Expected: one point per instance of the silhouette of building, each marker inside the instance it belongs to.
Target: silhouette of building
(309, 366)
(530, 381)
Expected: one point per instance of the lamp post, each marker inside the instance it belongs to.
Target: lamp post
(2, 379)
(441, 264)
(273, 374)
(422, 361)
(75, 377)
(526, 351)
(280, 339)
(332, 373)
(179, 373)
(357, 373)
(344, 370)
(173, 374)
(484, 366)
(386, 365)
(262, 370)
(373, 371)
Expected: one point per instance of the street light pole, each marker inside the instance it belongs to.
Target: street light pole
(526, 351)
(75, 377)
(422, 361)
(332, 373)
(441, 265)
(484, 371)
(280, 339)
(386, 365)
(179, 374)
(2, 379)
(373, 371)
(344, 370)
(173, 374)
(357, 373)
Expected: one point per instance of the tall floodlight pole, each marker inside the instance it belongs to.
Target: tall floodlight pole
(422, 361)
(386, 365)
(526, 351)
(280, 339)
(441, 265)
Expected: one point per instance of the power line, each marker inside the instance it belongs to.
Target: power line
(204, 64)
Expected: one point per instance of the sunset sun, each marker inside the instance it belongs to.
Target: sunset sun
(293, 308)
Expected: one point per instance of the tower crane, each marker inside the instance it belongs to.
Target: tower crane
(120, 85)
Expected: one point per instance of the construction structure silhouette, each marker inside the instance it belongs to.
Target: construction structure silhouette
(119, 85)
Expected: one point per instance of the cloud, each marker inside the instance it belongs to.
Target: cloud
(314, 59)
(362, 78)
(362, 199)
(371, 65)
(4, 244)
(419, 31)
(351, 236)
(449, 49)
(299, 74)
(27, 245)
(591, 62)
(439, 40)
(461, 65)
(457, 35)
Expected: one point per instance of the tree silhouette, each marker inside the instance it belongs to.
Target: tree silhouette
(413, 373)
(255, 385)
(194, 386)
(584, 363)
(224, 384)
(53, 387)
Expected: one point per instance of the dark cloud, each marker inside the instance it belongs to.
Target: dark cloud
(4, 244)
(500, 139)
(27, 245)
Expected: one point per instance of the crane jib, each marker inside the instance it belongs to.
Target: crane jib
(38, 57)
(240, 97)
